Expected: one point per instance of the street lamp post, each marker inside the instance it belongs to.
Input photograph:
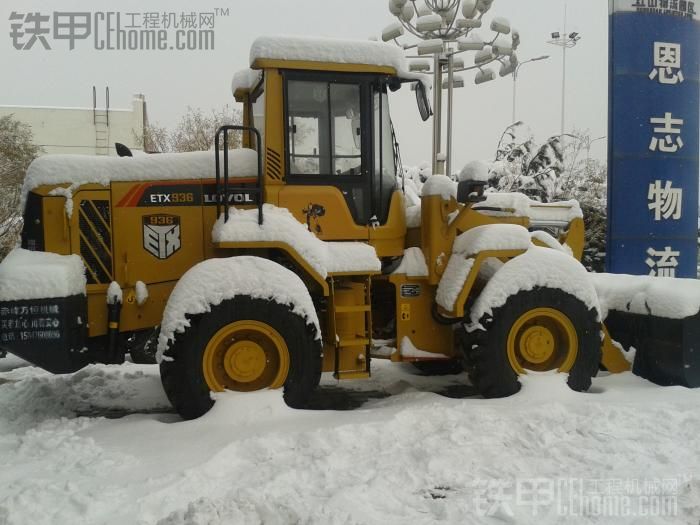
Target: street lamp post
(515, 79)
(565, 41)
(444, 29)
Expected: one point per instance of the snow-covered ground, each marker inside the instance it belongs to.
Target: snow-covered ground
(103, 446)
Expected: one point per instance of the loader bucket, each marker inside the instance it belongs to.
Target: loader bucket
(667, 350)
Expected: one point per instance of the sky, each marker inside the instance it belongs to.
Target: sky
(173, 80)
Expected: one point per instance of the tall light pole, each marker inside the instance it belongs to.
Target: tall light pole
(515, 79)
(444, 29)
(565, 41)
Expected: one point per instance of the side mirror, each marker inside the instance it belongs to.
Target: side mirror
(423, 102)
(470, 191)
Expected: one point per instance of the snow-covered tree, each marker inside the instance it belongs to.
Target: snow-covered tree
(194, 132)
(17, 150)
(550, 172)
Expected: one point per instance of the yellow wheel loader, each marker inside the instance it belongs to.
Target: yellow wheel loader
(300, 253)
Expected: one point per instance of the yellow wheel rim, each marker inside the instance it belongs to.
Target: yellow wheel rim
(245, 356)
(542, 339)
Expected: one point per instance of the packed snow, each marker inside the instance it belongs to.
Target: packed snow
(76, 170)
(102, 446)
(413, 263)
(26, 274)
(280, 225)
(537, 267)
(212, 281)
(641, 294)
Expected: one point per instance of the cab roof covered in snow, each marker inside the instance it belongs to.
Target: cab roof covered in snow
(330, 54)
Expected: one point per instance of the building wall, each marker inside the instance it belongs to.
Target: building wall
(83, 130)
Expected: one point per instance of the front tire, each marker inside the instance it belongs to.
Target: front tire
(243, 344)
(540, 329)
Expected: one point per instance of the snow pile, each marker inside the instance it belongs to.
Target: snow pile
(253, 460)
(339, 51)
(413, 263)
(492, 237)
(85, 169)
(440, 185)
(279, 225)
(212, 281)
(476, 170)
(409, 350)
(40, 275)
(538, 267)
(245, 79)
(641, 294)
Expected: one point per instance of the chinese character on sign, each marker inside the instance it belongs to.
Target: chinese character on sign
(665, 201)
(662, 263)
(667, 63)
(666, 126)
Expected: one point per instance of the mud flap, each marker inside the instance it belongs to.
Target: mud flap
(49, 333)
(668, 350)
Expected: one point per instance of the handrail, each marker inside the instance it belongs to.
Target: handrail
(222, 194)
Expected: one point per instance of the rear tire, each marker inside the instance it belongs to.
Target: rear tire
(201, 360)
(552, 328)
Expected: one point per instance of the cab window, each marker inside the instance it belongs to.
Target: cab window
(324, 128)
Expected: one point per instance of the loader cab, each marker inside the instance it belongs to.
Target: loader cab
(330, 154)
(338, 134)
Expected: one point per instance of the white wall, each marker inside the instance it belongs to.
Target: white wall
(79, 131)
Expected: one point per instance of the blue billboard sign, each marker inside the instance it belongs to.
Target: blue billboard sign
(653, 141)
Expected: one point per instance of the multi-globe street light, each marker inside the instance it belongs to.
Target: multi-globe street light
(445, 29)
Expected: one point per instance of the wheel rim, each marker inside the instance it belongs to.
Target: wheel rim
(542, 339)
(245, 356)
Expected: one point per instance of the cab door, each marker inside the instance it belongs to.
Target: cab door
(328, 153)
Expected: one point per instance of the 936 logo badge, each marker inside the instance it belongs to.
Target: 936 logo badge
(161, 235)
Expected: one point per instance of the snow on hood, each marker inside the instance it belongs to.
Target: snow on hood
(40, 275)
(641, 294)
(86, 169)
